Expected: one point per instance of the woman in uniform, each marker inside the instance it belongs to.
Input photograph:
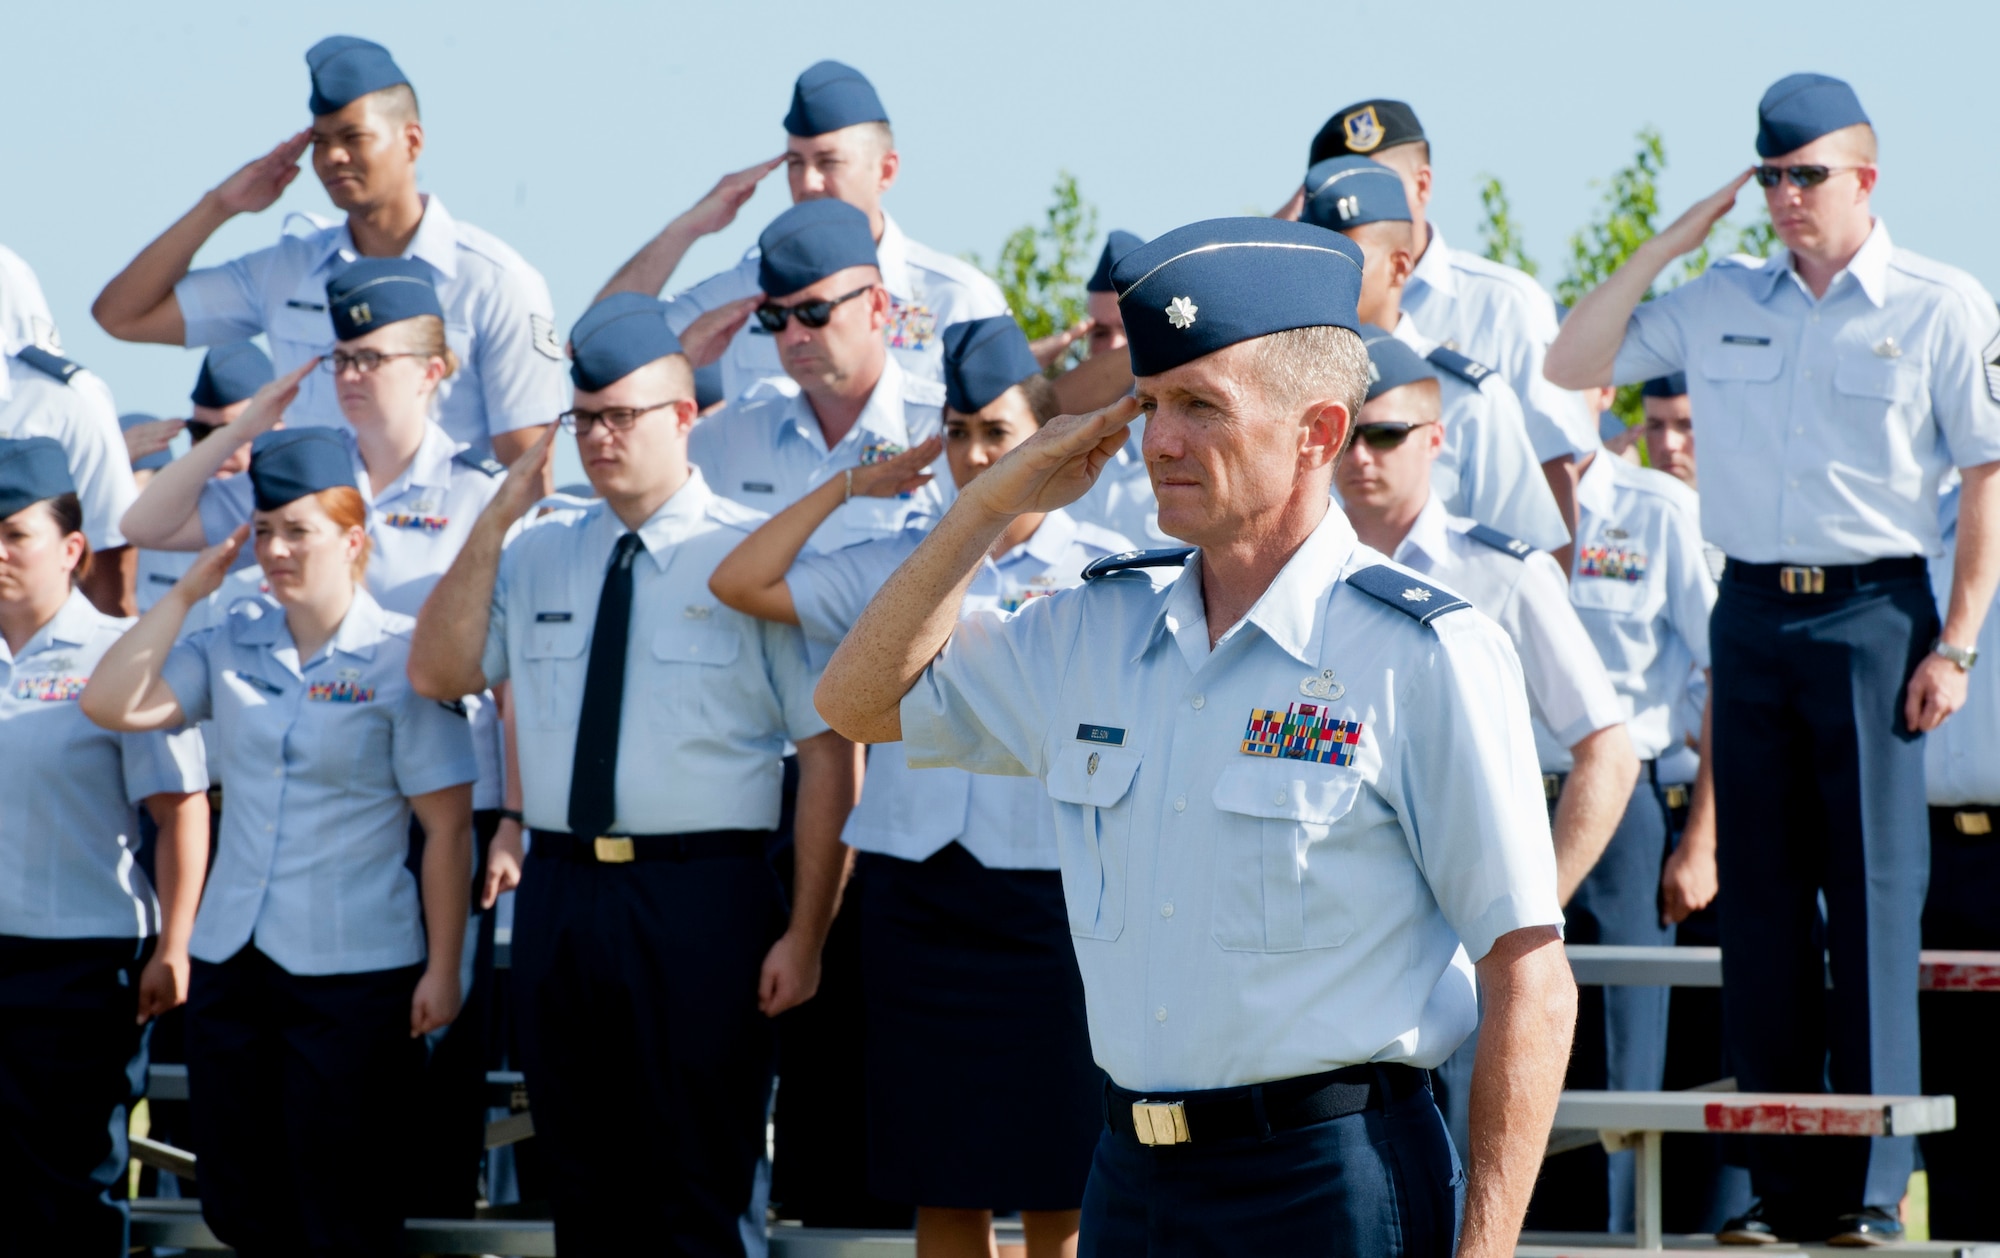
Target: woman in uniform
(969, 974)
(319, 958)
(88, 953)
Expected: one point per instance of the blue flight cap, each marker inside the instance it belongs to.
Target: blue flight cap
(1675, 385)
(1391, 364)
(230, 373)
(289, 463)
(1800, 108)
(32, 469)
(1208, 285)
(1343, 192)
(616, 337)
(829, 96)
(375, 292)
(708, 385)
(1610, 427)
(154, 461)
(811, 241)
(1116, 246)
(984, 358)
(344, 69)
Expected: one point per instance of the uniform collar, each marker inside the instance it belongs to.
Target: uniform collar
(430, 467)
(71, 626)
(892, 258)
(679, 518)
(882, 415)
(1409, 334)
(359, 630)
(1429, 535)
(436, 241)
(1597, 488)
(1050, 542)
(1434, 268)
(1869, 268)
(1291, 612)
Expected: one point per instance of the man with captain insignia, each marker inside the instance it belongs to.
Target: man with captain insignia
(1294, 793)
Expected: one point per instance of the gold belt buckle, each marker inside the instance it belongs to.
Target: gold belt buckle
(613, 849)
(1677, 795)
(1797, 580)
(1552, 785)
(1972, 821)
(1160, 1122)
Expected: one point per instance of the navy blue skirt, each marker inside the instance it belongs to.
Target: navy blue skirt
(981, 1089)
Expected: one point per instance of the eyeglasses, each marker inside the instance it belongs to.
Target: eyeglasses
(1801, 176)
(1387, 436)
(362, 360)
(616, 418)
(810, 314)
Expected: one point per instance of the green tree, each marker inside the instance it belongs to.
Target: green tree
(1498, 230)
(1042, 268)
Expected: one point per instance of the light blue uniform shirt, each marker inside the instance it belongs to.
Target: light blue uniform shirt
(497, 317)
(68, 831)
(1962, 756)
(928, 292)
(913, 813)
(1641, 586)
(1569, 693)
(711, 695)
(1501, 317)
(1826, 426)
(1237, 917)
(322, 757)
(158, 571)
(24, 311)
(768, 452)
(1487, 470)
(80, 415)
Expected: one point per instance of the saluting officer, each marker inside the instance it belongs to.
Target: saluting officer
(88, 952)
(1242, 758)
(365, 138)
(24, 312)
(966, 960)
(1836, 383)
(651, 940)
(1486, 470)
(320, 958)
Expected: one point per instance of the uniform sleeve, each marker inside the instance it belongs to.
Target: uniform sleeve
(98, 463)
(520, 354)
(830, 590)
(1691, 590)
(1965, 382)
(1500, 478)
(792, 679)
(224, 506)
(173, 763)
(689, 304)
(1556, 420)
(1469, 789)
(1655, 336)
(1565, 677)
(188, 672)
(985, 701)
(430, 747)
(226, 303)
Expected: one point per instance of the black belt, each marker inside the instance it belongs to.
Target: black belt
(1258, 1110)
(1792, 578)
(618, 849)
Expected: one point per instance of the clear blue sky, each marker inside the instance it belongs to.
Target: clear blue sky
(575, 129)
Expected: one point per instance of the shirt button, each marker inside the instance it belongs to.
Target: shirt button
(1200, 702)
(1794, 484)
(1791, 541)
(278, 772)
(1799, 431)
(1180, 805)
(1806, 374)
(1277, 797)
(1160, 1014)
(1167, 909)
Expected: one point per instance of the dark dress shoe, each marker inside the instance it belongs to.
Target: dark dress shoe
(1873, 1226)
(1749, 1228)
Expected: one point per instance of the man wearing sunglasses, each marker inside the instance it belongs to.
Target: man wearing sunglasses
(838, 146)
(825, 312)
(1835, 385)
(654, 947)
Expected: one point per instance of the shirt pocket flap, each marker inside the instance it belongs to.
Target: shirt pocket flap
(556, 640)
(298, 326)
(1287, 790)
(696, 642)
(1757, 363)
(1876, 378)
(1096, 776)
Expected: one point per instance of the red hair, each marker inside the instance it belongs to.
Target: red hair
(343, 505)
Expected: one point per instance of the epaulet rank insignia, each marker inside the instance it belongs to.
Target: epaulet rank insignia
(1473, 373)
(49, 364)
(1171, 557)
(480, 463)
(1499, 541)
(1416, 599)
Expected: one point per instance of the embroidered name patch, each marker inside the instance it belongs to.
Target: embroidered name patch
(1739, 338)
(1613, 563)
(339, 692)
(48, 689)
(911, 327)
(1303, 731)
(553, 618)
(409, 520)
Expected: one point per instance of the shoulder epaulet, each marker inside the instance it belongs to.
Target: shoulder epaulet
(1499, 541)
(1466, 369)
(1171, 557)
(480, 463)
(48, 364)
(1420, 601)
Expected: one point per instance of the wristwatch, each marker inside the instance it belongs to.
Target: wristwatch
(1963, 656)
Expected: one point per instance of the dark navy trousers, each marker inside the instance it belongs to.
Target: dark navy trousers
(1819, 789)
(1383, 1183)
(1960, 1030)
(72, 1062)
(647, 1062)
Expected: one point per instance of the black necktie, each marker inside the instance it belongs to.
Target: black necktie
(593, 778)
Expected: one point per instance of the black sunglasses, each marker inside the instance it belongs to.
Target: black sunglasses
(1387, 436)
(1801, 176)
(810, 314)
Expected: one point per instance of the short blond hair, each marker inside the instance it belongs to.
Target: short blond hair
(1302, 365)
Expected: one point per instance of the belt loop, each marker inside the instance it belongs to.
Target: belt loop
(1385, 1090)
(1257, 1112)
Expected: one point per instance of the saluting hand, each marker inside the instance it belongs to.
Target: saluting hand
(1051, 347)
(706, 338)
(718, 209)
(205, 575)
(261, 182)
(1057, 465)
(151, 437)
(901, 474)
(522, 488)
(1686, 233)
(267, 404)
